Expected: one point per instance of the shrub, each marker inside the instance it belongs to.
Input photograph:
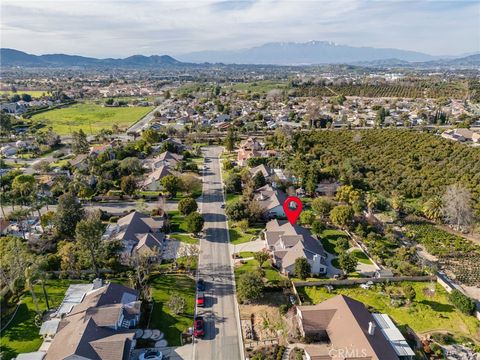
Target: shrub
(462, 302)
(187, 206)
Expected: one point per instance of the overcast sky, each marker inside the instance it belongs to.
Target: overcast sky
(121, 28)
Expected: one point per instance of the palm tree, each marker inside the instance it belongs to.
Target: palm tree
(29, 283)
(433, 208)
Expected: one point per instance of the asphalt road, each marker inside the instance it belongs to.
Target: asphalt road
(222, 327)
(142, 122)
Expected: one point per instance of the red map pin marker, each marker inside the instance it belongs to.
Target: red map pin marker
(292, 212)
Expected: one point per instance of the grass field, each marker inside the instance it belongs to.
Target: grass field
(261, 87)
(22, 334)
(425, 314)
(164, 287)
(32, 93)
(90, 117)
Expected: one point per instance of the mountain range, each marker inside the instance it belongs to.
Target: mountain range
(11, 57)
(312, 52)
(309, 53)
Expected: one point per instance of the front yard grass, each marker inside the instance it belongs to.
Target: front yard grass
(272, 275)
(163, 288)
(184, 238)
(237, 236)
(22, 333)
(425, 314)
(177, 222)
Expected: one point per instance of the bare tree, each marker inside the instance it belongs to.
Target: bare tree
(457, 207)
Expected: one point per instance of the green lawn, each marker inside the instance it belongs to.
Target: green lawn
(272, 275)
(261, 87)
(163, 287)
(184, 238)
(425, 314)
(361, 257)
(237, 236)
(22, 333)
(177, 222)
(32, 93)
(230, 198)
(90, 117)
(245, 254)
(329, 238)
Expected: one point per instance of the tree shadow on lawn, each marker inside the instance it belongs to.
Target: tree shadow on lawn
(7, 352)
(167, 323)
(23, 327)
(438, 307)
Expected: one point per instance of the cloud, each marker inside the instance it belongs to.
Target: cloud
(125, 27)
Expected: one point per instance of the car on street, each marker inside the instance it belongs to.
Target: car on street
(151, 355)
(201, 285)
(200, 299)
(198, 327)
(222, 206)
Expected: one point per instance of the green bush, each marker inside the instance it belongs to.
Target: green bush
(461, 302)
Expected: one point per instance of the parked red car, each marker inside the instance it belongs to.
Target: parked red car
(198, 327)
(200, 299)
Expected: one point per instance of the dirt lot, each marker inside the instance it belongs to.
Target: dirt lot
(265, 315)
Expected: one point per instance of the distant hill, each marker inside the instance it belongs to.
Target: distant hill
(11, 57)
(312, 52)
(275, 54)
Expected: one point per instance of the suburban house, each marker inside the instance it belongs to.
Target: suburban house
(138, 233)
(343, 328)
(93, 322)
(264, 169)
(152, 181)
(79, 162)
(461, 134)
(287, 242)
(243, 155)
(327, 187)
(271, 200)
(251, 144)
(166, 158)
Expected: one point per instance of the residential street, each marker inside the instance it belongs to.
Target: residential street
(222, 327)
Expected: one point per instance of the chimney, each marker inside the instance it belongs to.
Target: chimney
(97, 283)
(371, 328)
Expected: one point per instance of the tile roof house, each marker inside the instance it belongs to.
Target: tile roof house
(288, 242)
(138, 232)
(97, 328)
(271, 199)
(251, 144)
(343, 328)
(243, 155)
